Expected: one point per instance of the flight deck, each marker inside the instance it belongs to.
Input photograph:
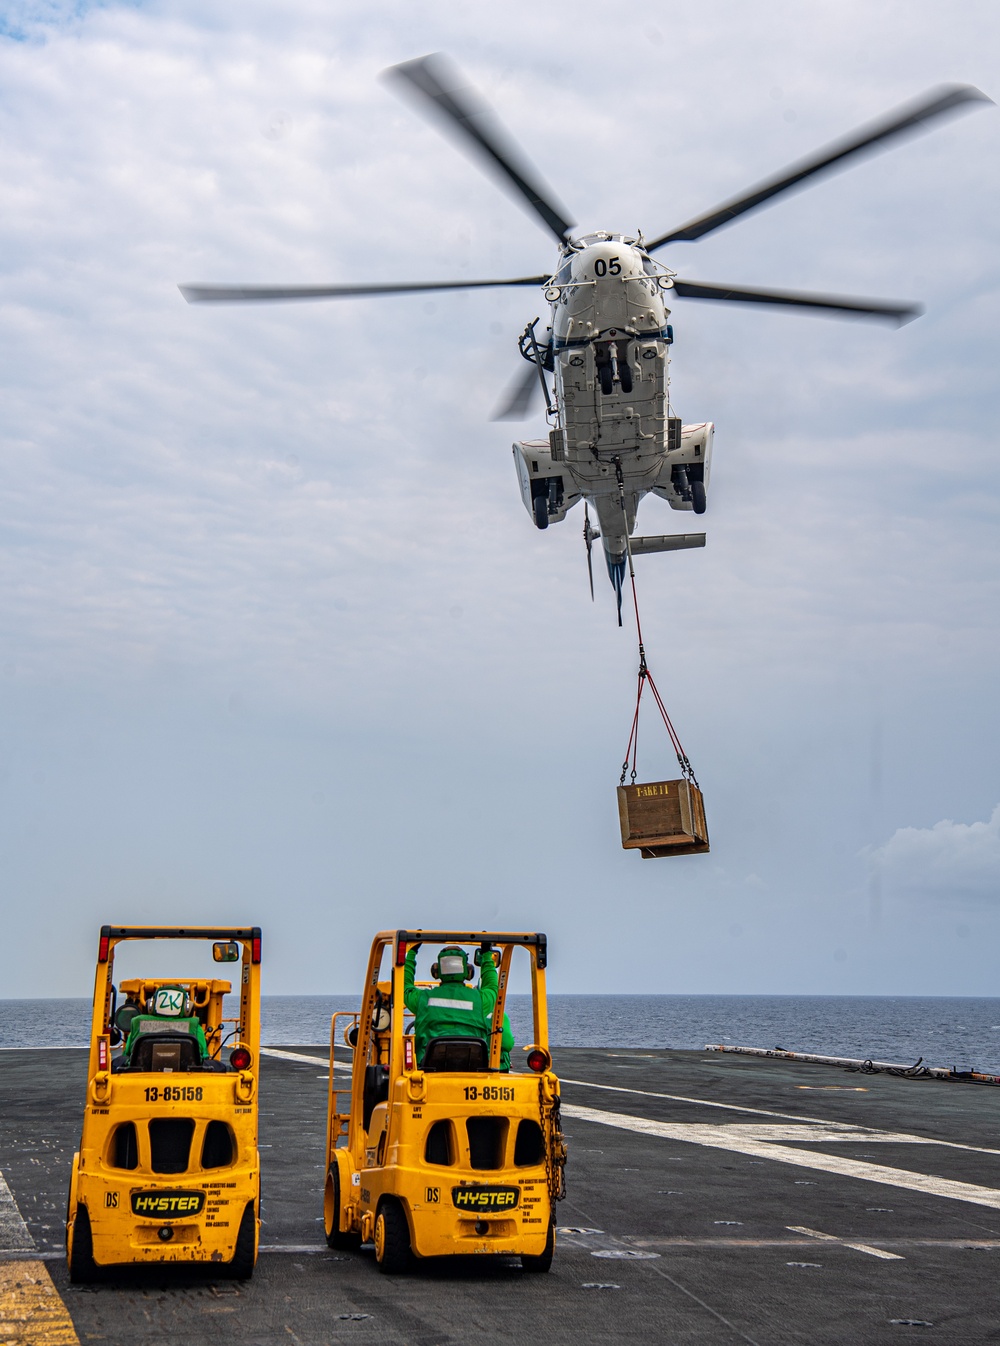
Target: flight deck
(710, 1199)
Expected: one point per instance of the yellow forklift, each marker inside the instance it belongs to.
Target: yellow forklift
(454, 1152)
(168, 1170)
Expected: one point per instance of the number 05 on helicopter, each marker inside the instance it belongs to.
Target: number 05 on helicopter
(613, 435)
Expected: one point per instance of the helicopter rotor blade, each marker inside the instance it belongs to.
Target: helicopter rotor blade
(846, 307)
(588, 537)
(255, 294)
(518, 396)
(909, 117)
(436, 79)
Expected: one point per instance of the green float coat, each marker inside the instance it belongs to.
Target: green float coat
(506, 1044)
(147, 1023)
(451, 1009)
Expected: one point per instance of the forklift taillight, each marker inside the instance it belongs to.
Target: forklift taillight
(538, 1060)
(408, 1053)
(255, 949)
(102, 1053)
(401, 953)
(240, 1058)
(102, 949)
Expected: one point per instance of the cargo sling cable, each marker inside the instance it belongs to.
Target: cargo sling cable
(632, 751)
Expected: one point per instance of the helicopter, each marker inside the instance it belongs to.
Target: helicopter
(613, 435)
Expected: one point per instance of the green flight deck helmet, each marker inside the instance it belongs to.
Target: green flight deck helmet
(452, 965)
(171, 1002)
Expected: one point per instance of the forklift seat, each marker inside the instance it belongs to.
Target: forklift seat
(456, 1053)
(163, 1051)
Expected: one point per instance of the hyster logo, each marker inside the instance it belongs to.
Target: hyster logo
(167, 1205)
(485, 1198)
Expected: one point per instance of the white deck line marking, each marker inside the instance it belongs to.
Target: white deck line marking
(637, 1240)
(872, 1134)
(858, 1247)
(14, 1233)
(300, 1056)
(728, 1138)
(809, 1134)
(702, 1102)
(810, 1130)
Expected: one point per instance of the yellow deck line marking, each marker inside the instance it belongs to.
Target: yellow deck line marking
(845, 1243)
(729, 1138)
(31, 1310)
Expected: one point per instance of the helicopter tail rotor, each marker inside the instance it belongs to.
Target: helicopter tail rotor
(589, 536)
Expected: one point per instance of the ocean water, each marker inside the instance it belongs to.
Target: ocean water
(959, 1031)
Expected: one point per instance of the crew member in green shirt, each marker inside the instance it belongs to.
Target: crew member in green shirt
(506, 1044)
(451, 1009)
(169, 1004)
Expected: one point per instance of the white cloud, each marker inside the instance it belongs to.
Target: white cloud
(303, 511)
(952, 862)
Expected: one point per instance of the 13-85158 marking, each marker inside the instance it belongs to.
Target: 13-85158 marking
(174, 1093)
(490, 1093)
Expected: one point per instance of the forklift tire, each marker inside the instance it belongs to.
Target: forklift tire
(541, 508)
(544, 1260)
(83, 1270)
(392, 1238)
(335, 1238)
(241, 1267)
(698, 497)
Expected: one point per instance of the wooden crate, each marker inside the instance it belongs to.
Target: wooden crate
(663, 818)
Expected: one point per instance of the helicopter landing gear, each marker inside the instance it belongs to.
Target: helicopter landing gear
(613, 366)
(604, 357)
(547, 499)
(688, 481)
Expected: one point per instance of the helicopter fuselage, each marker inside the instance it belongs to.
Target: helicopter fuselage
(614, 437)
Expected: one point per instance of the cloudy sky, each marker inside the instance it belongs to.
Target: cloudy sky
(278, 642)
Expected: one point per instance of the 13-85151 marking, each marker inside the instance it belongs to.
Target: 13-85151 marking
(490, 1093)
(174, 1093)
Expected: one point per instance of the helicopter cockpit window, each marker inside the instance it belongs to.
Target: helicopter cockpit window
(601, 237)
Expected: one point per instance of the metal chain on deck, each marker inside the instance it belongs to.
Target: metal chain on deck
(555, 1147)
